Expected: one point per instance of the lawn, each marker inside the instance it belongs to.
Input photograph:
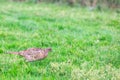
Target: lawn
(85, 44)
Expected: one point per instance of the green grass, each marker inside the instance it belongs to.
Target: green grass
(85, 44)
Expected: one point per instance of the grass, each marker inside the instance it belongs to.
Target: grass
(86, 44)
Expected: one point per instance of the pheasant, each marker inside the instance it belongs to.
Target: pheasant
(33, 54)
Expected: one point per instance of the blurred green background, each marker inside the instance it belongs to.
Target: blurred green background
(84, 37)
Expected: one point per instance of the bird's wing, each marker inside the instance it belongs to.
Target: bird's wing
(29, 58)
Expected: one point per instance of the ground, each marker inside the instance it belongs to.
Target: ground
(85, 44)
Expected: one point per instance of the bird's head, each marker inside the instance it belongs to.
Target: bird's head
(48, 49)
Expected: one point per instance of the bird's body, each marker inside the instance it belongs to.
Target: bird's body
(33, 54)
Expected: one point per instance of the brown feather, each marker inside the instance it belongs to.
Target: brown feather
(33, 54)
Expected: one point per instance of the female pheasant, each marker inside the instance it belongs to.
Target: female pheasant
(33, 54)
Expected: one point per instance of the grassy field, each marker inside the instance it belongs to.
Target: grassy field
(85, 44)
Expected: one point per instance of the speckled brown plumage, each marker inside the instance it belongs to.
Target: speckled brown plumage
(33, 54)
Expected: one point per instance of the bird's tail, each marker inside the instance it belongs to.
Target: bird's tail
(13, 52)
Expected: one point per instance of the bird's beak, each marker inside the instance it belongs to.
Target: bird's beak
(49, 49)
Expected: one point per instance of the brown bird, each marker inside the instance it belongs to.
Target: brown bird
(33, 54)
